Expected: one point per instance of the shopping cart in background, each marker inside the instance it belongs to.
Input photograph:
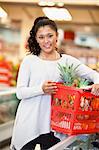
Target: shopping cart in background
(77, 142)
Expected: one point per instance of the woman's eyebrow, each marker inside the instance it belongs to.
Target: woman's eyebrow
(45, 34)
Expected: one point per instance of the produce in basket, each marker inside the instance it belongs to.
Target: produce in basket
(69, 76)
(74, 110)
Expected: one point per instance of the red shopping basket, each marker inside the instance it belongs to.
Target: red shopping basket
(74, 111)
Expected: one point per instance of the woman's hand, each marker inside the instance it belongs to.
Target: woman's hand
(95, 89)
(49, 87)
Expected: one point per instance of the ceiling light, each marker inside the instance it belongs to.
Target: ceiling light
(60, 4)
(46, 3)
(50, 3)
(60, 14)
(42, 3)
(2, 13)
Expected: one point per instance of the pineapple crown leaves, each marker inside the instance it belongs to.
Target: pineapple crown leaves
(83, 82)
(68, 73)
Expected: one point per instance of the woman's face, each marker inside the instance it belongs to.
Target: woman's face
(46, 38)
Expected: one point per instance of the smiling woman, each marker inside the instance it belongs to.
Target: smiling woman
(36, 83)
(35, 90)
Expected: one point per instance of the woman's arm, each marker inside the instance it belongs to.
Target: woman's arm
(84, 71)
(23, 90)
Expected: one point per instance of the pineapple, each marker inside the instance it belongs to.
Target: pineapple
(68, 74)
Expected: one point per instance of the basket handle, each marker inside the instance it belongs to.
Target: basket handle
(86, 88)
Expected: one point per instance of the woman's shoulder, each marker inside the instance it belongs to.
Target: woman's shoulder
(66, 56)
(29, 57)
(70, 58)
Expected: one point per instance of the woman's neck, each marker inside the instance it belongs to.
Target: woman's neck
(49, 56)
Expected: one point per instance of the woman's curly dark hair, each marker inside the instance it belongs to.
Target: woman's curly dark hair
(34, 47)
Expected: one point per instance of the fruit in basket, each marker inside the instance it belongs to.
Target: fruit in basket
(68, 73)
(77, 108)
(69, 76)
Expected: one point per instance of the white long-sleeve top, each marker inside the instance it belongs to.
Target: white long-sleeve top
(33, 114)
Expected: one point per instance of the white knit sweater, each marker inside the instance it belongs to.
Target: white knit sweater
(33, 114)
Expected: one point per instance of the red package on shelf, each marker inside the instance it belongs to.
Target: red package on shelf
(5, 73)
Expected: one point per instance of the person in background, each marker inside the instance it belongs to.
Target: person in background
(36, 83)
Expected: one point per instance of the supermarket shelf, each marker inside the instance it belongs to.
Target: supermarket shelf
(6, 130)
(7, 91)
(63, 144)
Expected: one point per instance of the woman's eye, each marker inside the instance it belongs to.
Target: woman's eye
(41, 37)
(50, 35)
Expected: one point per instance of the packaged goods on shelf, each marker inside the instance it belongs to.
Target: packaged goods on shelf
(5, 73)
(8, 73)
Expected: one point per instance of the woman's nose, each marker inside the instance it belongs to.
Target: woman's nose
(46, 39)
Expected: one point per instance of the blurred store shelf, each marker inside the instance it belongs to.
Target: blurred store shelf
(6, 130)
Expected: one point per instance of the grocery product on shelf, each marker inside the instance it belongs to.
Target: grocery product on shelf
(8, 72)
